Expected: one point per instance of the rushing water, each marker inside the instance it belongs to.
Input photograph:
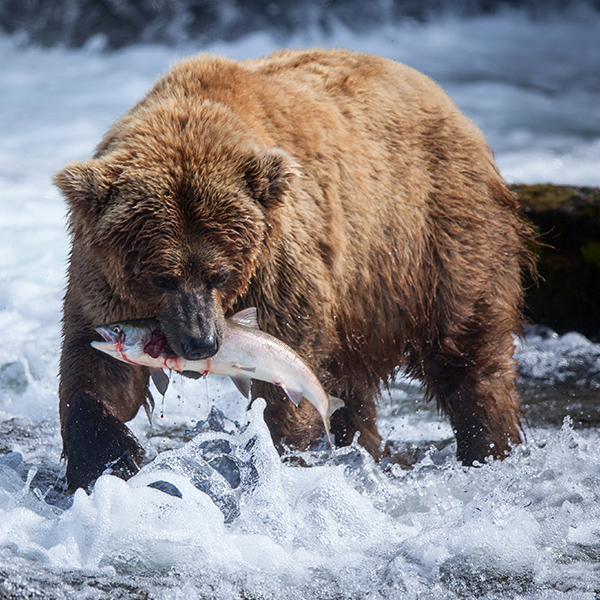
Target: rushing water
(215, 513)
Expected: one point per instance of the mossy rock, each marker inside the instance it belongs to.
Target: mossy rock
(567, 295)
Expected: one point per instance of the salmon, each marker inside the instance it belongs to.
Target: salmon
(246, 353)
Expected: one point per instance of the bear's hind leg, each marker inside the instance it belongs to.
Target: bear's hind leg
(472, 374)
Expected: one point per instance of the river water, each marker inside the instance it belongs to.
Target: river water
(216, 513)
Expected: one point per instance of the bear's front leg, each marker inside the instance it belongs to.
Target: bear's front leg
(97, 394)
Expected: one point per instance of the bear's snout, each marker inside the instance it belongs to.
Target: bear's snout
(194, 341)
(193, 324)
(197, 348)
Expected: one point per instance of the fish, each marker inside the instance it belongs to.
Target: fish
(246, 353)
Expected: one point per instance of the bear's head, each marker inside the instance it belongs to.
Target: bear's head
(173, 214)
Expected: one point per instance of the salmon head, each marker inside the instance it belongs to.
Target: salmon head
(129, 340)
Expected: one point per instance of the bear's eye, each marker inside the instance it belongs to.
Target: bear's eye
(218, 278)
(165, 283)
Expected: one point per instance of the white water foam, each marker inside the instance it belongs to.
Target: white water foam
(528, 526)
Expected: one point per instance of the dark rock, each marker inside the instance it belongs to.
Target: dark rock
(567, 295)
(166, 487)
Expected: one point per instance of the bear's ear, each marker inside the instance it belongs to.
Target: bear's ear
(86, 185)
(270, 174)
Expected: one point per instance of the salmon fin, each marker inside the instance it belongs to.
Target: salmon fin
(246, 317)
(243, 385)
(294, 395)
(191, 374)
(334, 404)
(160, 379)
(149, 406)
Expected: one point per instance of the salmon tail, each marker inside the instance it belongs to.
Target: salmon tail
(334, 404)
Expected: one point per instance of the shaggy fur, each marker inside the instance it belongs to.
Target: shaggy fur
(343, 195)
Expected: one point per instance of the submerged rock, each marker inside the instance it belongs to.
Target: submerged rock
(475, 576)
(13, 377)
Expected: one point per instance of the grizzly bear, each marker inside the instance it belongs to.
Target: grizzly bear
(343, 195)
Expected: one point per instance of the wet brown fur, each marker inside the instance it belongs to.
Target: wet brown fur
(346, 197)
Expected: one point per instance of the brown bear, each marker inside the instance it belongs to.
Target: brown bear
(346, 197)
